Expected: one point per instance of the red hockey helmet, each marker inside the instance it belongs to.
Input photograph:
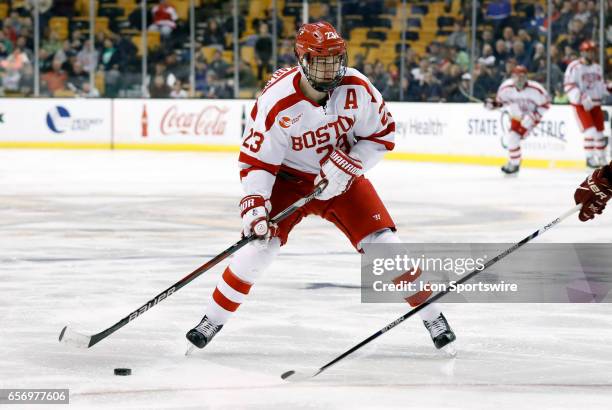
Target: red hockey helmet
(321, 53)
(587, 51)
(520, 69)
(519, 73)
(588, 45)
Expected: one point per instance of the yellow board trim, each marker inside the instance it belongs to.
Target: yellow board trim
(55, 145)
(179, 147)
(396, 156)
(482, 160)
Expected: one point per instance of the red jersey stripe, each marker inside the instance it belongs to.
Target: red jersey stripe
(277, 80)
(254, 162)
(536, 88)
(376, 137)
(281, 105)
(300, 93)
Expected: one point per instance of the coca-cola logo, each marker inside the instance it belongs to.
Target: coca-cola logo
(210, 120)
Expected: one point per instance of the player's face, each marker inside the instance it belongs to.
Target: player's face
(325, 69)
(520, 80)
(588, 55)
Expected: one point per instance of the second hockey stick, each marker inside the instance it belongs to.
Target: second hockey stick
(77, 339)
(468, 96)
(293, 375)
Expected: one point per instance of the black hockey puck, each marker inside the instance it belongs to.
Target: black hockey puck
(287, 374)
(123, 372)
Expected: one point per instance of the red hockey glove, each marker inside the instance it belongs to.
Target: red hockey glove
(594, 193)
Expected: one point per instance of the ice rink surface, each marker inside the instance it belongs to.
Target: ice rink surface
(88, 236)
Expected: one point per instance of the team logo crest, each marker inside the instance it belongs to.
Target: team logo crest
(287, 122)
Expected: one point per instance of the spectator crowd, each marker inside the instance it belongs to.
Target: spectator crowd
(503, 41)
(507, 36)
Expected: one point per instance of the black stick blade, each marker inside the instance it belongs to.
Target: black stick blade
(288, 374)
(293, 376)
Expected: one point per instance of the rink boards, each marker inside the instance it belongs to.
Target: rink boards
(430, 132)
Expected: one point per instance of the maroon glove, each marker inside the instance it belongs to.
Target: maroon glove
(491, 104)
(594, 193)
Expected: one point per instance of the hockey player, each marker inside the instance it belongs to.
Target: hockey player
(526, 101)
(318, 120)
(594, 193)
(585, 88)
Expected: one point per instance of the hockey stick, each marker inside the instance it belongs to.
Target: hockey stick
(76, 339)
(292, 375)
(469, 97)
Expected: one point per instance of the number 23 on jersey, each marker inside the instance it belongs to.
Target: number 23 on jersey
(253, 141)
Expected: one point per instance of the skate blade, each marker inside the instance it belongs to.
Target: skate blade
(447, 367)
(189, 350)
(449, 351)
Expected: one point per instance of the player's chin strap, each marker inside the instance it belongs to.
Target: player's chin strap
(77, 339)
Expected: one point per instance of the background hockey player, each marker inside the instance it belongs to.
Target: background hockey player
(526, 102)
(585, 88)
(317, 120)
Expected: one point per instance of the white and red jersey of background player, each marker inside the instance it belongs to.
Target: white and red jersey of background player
(287, 130)
(581, 79)
(531, 100)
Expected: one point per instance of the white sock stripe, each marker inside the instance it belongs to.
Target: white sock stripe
(216, 313)
(229, 292)
(409, 293)
(599, 144)
(430, 312)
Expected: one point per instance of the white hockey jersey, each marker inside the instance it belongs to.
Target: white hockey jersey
(531, 100)
(584, 79)
(287, 130)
